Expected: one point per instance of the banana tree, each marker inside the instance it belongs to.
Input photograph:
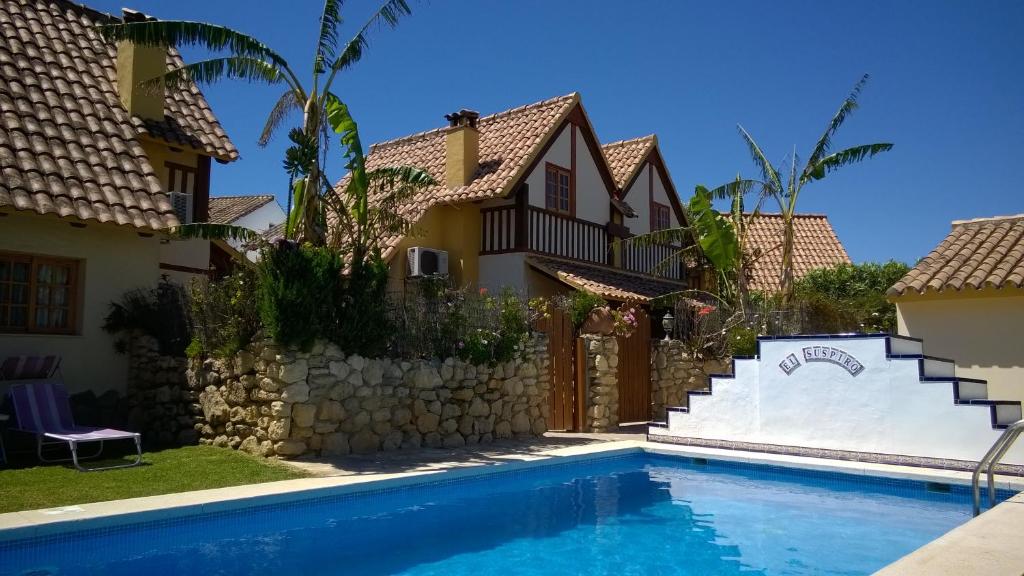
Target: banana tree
(252, 60)
(722, 238)
(821, 162)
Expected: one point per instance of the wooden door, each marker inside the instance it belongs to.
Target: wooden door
(635, 372)
(561, 342)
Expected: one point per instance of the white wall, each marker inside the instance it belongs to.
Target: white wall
(558, 153)
(884, 409)
(114, 260)
(260, 220)
(639, 197)
(592, 202)
(188, 253)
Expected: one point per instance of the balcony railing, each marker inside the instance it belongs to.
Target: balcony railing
(547, 232)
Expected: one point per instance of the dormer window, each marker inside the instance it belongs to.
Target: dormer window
(558, 189)
(661, 218)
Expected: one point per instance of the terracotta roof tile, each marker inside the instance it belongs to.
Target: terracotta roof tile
(67, 145)
(977, 254)
(509, 141)
(227, 209)
(605, 282)
(624, 157)
(815, 246)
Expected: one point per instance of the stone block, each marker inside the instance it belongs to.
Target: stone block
(290, 447)
(303, 415)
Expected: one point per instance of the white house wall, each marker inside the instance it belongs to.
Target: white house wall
(884, 409)
(558, 153)
(592, 202)
(639, 196)
(260, 220)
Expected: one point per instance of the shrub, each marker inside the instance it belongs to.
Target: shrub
(223, 317)
(159, 312)
(578, 305)
(362, 322)
(849, 298)
(742, 341)
(300, 291)
(437, 320)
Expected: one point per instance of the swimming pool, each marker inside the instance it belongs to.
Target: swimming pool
(629, 514)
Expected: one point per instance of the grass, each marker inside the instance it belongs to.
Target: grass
(163, 472)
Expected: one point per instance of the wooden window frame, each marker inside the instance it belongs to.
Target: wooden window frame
(657, 207)
(560, 170)
(74, 287)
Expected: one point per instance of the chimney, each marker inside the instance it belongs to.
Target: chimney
(463, 147)
(136, 64)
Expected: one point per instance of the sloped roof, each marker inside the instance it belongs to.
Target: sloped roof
(815, 245)
(624, 157)
(509, 142)
(977, 254)
(610, 283)
(227, 209)
(67, 144)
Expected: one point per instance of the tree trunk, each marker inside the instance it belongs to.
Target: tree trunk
(786, 280)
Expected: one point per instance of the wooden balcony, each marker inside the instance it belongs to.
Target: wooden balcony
(530, 229)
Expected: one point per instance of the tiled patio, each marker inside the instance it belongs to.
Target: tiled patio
(437, 459)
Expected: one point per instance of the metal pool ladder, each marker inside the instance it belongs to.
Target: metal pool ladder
(989, 461)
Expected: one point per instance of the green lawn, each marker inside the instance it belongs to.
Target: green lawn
(163, 472)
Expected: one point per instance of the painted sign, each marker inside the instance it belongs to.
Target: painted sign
(789, 364)
(829, 354)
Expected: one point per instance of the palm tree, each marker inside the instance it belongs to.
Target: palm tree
(249, 59)
(821, 162)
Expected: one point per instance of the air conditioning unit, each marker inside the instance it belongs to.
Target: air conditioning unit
(427, 261)
(182, 204)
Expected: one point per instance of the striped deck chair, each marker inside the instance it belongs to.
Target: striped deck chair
(41, 407)
(29, 367)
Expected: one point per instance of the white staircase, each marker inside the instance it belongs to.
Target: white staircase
(863, 393)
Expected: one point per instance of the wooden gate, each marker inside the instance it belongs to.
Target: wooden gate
(561, 351)
(635, 372)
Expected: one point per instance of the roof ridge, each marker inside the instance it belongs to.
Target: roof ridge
(797, 215)
(233, 196)
(420, 135)
(651, 136)
(956, 223)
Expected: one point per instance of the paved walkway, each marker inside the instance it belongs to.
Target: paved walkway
(436, 459)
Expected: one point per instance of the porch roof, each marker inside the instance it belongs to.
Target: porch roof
(609, 283)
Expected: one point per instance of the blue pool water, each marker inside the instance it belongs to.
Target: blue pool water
(637, 514)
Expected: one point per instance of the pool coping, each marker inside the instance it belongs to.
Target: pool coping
(67, 519)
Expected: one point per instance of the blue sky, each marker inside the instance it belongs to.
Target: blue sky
(946, 88)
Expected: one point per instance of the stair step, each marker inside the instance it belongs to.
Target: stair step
(1004, 412)
(902, 345)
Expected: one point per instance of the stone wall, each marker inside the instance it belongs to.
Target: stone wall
(159, 401)
(602, 391)
(673, 373)
(276, 402)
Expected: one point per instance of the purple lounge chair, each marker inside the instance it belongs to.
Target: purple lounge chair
(41, 407)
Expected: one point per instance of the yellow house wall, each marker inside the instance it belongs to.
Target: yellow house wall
(113, 260)
(455, 229)
(981, 334)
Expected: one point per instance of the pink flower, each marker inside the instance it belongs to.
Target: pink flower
(704, 311)
(483, 291)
